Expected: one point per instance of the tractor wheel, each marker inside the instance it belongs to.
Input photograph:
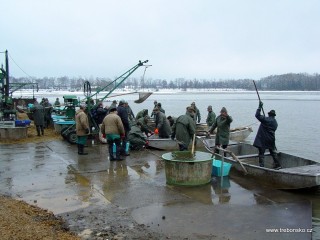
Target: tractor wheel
(72, 137)
(64, 132)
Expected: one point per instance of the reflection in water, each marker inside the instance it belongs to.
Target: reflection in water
(201, 193)
(149, 169)
(84, 188)
(221, 188)
(115, 179)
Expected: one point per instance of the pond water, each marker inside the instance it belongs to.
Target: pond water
(297, 115)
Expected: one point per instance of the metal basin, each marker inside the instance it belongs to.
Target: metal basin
(183, 168)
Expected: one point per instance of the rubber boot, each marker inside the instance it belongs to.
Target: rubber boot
(123, 151)
(80, 151)
(276, 164)
(38, 129)
(118, 151)
(261, 161)
(111, 156)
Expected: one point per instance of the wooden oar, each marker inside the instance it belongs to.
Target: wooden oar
(234, 157)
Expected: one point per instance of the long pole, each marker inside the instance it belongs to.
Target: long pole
(193, 142)
(258, 95)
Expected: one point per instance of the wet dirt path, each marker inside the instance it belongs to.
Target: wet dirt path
(131, 198)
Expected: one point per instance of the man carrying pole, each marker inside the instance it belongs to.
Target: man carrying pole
(265, 138)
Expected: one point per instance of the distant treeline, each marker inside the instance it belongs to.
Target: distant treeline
(290, 81)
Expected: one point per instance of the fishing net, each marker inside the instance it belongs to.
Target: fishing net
(143, 96)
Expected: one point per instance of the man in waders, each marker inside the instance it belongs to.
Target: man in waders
(265, 138)
(222, 123)
(113, 129)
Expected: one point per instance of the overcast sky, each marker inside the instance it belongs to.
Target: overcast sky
(226, 39)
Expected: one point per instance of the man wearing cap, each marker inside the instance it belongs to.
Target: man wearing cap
(211, 117)
(184, 128)
(113, 128)
(160, 108)
(222, 123)
(197, 116)
(129, 110)
(113, 105)
(265, 138)
(82, 128)
(155, 103)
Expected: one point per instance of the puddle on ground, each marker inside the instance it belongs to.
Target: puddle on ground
(64, 181)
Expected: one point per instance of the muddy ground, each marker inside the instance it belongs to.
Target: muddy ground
(94, 198)
(21, 220)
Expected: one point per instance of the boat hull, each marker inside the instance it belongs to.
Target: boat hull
(236, 135)
(296, 172)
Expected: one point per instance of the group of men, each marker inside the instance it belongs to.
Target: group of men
(114, 125)
(184, 128)
(41, 113)
(118, 129)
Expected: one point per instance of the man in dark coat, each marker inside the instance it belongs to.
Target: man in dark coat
(222, 123)
(38, 117)
(211, 117)
(197, 116)
(184, 128)
(99, 112)
(47, 113)
(162, 124)
(265, 138)
(123, 114)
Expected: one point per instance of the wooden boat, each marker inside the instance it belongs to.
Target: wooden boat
(296, 172)
(236, 135)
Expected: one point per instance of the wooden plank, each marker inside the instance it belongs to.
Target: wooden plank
(251, 155)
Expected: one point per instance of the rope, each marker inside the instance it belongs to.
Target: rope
(19, 67)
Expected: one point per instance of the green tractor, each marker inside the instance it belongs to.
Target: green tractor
(69, 132)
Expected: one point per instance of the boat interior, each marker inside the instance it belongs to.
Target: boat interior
(248, 154)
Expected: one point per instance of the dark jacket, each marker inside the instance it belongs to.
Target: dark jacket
(38, 114)
(265, 137)
(136, 137)
(163, 125)
(210, 118)
(184, 128)
(123, 114)
(223, 129)
(99, 113)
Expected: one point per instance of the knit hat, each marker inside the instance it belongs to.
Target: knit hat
(272, 113)
(83, 106)
(191, 109)
(223, 110)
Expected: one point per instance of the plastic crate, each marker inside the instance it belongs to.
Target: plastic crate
(22, 123)
(216, 168)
